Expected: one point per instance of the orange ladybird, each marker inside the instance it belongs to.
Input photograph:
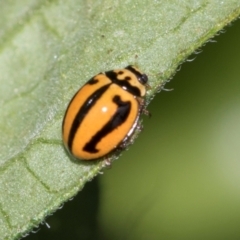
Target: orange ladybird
(104, 113)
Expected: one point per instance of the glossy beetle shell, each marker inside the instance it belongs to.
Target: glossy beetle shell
(104, 113)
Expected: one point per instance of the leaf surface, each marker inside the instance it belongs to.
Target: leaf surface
(48, 49)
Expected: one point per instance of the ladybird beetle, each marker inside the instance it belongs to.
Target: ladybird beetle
(103, 114)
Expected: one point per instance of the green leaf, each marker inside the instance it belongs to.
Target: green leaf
(48, 49)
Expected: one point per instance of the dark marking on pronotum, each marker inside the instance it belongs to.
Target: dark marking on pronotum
(117, 120)
(142, 78)
(85, 108)
(123, 84)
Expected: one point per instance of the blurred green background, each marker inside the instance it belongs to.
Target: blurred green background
(181, 178)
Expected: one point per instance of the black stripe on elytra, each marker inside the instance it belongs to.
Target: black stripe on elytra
(122, 113)
(92, 81)
(142, 78)
(85, 108)
(124, 84)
